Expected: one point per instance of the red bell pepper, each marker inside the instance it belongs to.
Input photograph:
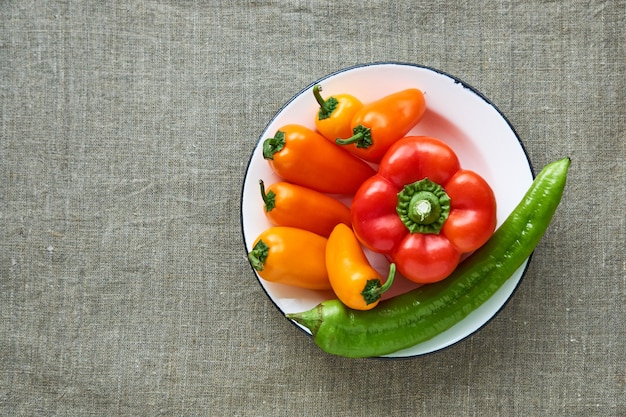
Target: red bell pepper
(422, 210)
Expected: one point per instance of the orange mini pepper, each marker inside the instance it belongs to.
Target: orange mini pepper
(291, 256)
(381, 123)
(292, 205)
(355, 282)
(304, 157)
(334, 117)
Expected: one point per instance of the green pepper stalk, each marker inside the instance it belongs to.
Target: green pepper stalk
(423, 206)
(423, 313)
(362, 138)
(327, 107)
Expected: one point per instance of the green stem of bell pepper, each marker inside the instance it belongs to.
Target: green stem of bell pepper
(423, 206)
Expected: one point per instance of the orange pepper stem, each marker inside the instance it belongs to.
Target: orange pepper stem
(268, 198)
(327, 107)
(258, 255)
(374, 290)
(362, 137)
(273, 145)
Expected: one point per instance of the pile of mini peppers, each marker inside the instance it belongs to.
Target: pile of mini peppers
(411, 200)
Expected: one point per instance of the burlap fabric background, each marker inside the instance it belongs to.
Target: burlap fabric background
(125, 131)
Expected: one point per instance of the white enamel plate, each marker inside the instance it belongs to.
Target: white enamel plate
(457, 114)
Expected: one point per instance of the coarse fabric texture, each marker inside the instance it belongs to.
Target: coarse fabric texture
(125, 131)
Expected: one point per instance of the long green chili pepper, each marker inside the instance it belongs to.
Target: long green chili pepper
(421, 314)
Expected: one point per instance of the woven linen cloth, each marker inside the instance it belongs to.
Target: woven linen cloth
(125, 132)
